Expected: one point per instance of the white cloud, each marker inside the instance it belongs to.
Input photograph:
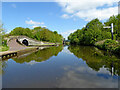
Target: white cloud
(65, 16)
(37, 26)
(66, 51)
(8, 32)
(89, 9)
(28, 0)
(42, 23)
(14, 5)
(119, 7)
(85, 77)
(94, 13)
(43, 26)
(34, 26)
(32, 62)
(67, 33)
(34, 23)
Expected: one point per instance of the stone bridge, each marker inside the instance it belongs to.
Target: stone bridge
(18, 45)
(28, 41)
(24, 40)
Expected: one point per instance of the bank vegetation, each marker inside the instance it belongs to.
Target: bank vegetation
(94, 32)
(38, 33)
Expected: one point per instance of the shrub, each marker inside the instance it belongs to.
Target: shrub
(4, 42)
(110, 45)
(4, 46)
(117, 50)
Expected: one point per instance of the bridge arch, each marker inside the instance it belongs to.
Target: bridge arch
(25, 42)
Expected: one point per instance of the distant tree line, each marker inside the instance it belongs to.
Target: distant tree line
(94, 32)
(38, 33)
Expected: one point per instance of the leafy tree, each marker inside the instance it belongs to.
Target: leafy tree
(55, 32)
(21, 31)
(38, 33)
(2, 33)
(87, 35)
(94, 32)
(116, 22)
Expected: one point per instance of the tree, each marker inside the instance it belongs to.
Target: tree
(2, 30)
(55, 32)
(2, 33)
(91, 33)
(115, 20)
(38, 33)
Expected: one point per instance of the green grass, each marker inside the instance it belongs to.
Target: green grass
(109, 45)
(4, 48)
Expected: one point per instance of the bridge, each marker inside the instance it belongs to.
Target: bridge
(24, 40)
(19, 44)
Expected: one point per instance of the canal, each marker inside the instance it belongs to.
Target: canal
(62, 67)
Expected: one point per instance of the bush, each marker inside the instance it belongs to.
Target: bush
(117, 50)
(4, 46)
(110, 45)
(4, 42)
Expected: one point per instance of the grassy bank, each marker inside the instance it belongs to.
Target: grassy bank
(109, 45)
(4, 48)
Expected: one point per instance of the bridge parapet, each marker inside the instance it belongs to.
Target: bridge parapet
(30, 42)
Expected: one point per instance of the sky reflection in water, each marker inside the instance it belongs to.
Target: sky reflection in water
(59, 67)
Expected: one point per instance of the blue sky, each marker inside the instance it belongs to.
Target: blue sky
(63, 17)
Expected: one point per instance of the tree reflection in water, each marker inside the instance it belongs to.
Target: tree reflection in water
(3, 65)
(96, 58)
(0, 67)
(40, 55)
(34, 57)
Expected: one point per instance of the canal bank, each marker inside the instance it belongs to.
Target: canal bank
(9, 54)
(17, 47)
(109, 45)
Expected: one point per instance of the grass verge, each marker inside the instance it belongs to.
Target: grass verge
(4, 48)
(109, 45)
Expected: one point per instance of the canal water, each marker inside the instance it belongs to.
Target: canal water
(62, 67)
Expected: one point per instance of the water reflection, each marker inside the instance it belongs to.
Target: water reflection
(39, 56)
(32, 57)
(84, 77)
(48, 69)
(3, 65)
(96, 58)
(0, 74)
